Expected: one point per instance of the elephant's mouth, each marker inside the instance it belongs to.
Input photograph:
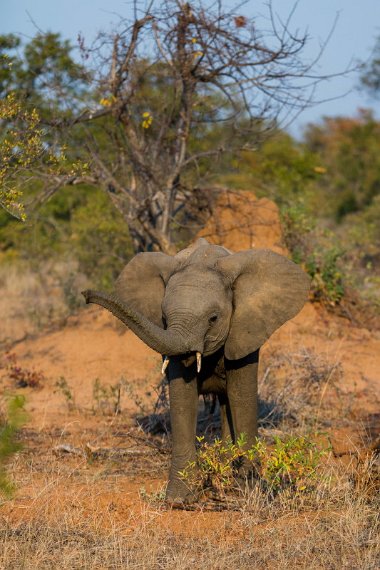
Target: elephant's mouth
(193, 356)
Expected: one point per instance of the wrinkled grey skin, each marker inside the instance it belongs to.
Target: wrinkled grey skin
(219, 304)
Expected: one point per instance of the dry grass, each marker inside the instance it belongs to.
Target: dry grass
(72, 513)
(88, 534)
(327, 545)
(31, 300)
(301, 389)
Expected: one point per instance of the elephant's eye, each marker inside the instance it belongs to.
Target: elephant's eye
(213, 319)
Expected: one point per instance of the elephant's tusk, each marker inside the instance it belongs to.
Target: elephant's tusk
(199, 361)
(164, 365)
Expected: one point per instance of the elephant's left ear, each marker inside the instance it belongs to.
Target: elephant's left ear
(269, 289)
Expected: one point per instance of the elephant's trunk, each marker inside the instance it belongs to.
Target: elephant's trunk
(163, 341)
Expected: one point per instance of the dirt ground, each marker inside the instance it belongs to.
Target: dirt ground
(87, 471)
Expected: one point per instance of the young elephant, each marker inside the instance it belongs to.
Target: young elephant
(207, 312)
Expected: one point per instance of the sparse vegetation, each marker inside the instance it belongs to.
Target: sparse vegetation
(67, 392)
(107, 398)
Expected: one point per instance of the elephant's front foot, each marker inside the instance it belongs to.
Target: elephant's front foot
(181, 488)
(179, 493)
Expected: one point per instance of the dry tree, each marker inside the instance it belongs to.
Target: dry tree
(169, 95)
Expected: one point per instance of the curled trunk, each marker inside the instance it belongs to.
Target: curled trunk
(163, 341)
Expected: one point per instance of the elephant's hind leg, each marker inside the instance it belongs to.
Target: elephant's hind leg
(225, 418)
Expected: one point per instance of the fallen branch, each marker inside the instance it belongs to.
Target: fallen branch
(66, 448)
(112, 452)
(98, 452)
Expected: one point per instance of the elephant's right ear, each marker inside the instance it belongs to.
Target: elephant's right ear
(141, 284)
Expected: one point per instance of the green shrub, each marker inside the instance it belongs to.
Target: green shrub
(296, 226)
(77, 225)
(327, 284)
(10, 423)
(292, 463)
(317, 251)
(100, 240)
(288, 464)
(67, 392)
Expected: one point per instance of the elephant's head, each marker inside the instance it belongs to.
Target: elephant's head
(205, 297)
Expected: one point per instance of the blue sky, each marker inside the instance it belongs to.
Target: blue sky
(353, 39)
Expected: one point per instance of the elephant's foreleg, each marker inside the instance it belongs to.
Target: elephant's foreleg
(242, 395)
(183, 393)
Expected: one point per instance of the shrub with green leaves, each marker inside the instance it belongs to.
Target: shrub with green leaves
(292, 463)
(10, 423)
(327, 284)
(296, 226)
(317, 250)
(76, 224)
(288, 464)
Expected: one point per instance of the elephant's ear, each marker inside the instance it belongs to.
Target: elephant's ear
(269, 289)
(141, 284)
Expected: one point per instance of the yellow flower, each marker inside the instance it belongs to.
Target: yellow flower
(107, 101)
(147, 120)
(320, 169)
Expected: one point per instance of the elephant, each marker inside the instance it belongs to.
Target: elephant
(207, 311)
